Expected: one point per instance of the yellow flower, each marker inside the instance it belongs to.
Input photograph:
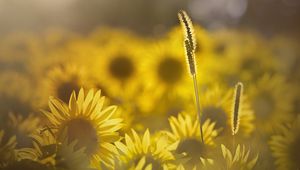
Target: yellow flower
(238, 160)
(217, 104)
(47, 150)
(19, 48)
(12, 97)
(22, 126)
(185, 133)
(62, 80)
(284, 145)
(88, 122)
(285, 51)
(115, 69)
(271, 100)
(247, 54)
(166, 78)
(7, 149)
(166, 66)
(145, 152)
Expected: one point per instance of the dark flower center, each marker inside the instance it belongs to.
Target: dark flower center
(215, 114)
(170, 70)
(84, 132)
(220, 48)
(263, 105)
(65, 89)
(194, 150)
(121, 68)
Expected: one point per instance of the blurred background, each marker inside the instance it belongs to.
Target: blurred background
(149, 17)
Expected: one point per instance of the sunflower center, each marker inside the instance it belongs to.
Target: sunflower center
(220, 48)
(121, 68)
(230, 78)
(250, 64)
(193, 148)
(84, 132)
(215, 114)
(65, 89)
(253, 66)
(295, 153)
(263, 105)
(170, 70)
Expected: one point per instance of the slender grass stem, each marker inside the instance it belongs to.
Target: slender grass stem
(198, 105)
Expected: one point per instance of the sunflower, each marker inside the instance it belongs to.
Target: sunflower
(284, 144)
(12, 97)
(17, 50)
(114, 68)
(22, 126)
(271, 101)
(217, 104)
(286, 52)
(85, 119)
(47, 150)
(7, 149)
(168, 65)
(145, 152)
(237, 160)
(247, 54)
(167, 80)
(185, 134)
(62, 80)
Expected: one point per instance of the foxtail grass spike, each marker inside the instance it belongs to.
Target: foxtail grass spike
(187, 28)
(190, 57)
(190, 45)
(238, 94)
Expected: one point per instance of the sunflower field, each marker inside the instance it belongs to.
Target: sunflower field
(193, 99)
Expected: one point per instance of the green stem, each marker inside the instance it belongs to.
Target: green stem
(198, 105)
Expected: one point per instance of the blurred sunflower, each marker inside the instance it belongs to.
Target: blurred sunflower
(237, 160)
(185, 133)
(271, 100)
(167, 80)
(284, 145)
(217, 104)
(17, 50)
(22, 127)
(7, 149)
(87, 121)
(145, 152)
(286, 52)
(48, 151)
(168, 66)
(246, 52)
(118, 68)
(62, 80)
(12, 97)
